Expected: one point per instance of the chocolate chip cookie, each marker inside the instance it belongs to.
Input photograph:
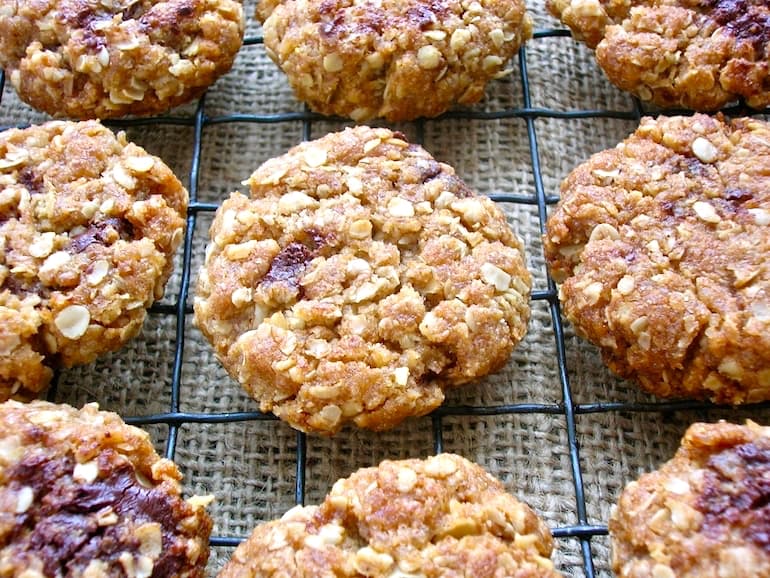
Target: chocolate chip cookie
(439, 517)
(84, 494)
(108, 58)
(699, 55)
(662, 245)
(706, 512)
(398, 59)
(88, 226)
(360, 279)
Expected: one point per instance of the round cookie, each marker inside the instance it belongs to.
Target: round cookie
(439, 517)
(96, 59)
(662, 243)
(678, 53)
(397, 59)
(705, 513)
(360, 279)
(84, 494)
(88, 227)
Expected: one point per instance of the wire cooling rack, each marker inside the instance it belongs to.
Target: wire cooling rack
(584, 532)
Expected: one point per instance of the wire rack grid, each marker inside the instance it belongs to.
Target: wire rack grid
(590, 428)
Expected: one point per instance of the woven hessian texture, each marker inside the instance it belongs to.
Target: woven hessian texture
(518, 424)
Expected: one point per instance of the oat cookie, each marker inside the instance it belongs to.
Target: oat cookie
(360, 279)
(88, 227)
(700, 55)
(439, 517)
(703, 514)
(398, 59)
(663, 242)
(84, 494)
(108, 58)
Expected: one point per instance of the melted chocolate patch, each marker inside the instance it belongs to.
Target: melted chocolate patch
(736, 493)
(61, 528)
(743, 20)
(105, 233)
(288, 265)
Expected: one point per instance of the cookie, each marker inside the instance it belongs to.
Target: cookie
(360, 279)
(439, 517)
(84, 494)
(397, 59)
(88, 226)
(706, 512)
(89, 59)
(678, 53)
(662, 245)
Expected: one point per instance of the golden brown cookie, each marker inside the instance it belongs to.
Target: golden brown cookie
(84, 494)
(662, 245)
(360, 279)
(700, 55)
(88, 226)
(705, 513)
(104, 59)
(439, 517)
(398, 59)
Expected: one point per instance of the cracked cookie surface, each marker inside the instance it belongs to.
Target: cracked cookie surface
(360, 279)
(678, 53)
(439, 517)
(84, 494)
(706, 512)
(88, 226)
(662, 245)
(397, 59)
(107, 58)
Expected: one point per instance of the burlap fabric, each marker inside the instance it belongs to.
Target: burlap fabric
(250, 465)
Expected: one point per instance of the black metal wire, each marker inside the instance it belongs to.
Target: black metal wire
(175, 419)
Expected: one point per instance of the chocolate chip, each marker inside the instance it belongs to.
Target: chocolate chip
(673, 209)
(31, 180)
(104, 232)
(22, 287)
(743, 20)
(288, 265)
(184, 11)
(736, 492)
(65, 534)
(738, 196)
(429, 171)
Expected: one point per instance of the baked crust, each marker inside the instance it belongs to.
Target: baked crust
(397, 59)
(678, 53)
(88, 227)
(705, 513)
(360, 279)
(440, 517)
(88, 59)
(661, 244)
(84, 494)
